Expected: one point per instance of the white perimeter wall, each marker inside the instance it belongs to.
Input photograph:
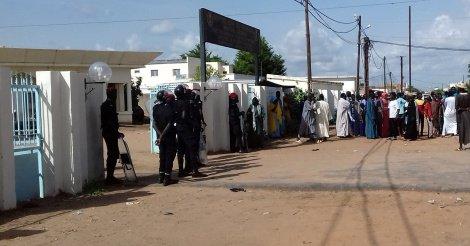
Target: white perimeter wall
(67, 166)
(7, 161)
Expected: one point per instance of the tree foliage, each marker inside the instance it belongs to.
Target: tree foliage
(136, 92)
(195, 52)
(270, 63)
(210, 71)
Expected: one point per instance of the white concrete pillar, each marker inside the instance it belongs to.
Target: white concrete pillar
(65, 156)
(7, 161)
(52, 130)
(73, 95)
(129, 98)
(94, 99)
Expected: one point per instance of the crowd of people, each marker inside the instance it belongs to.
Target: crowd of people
(179, 122)
(406, 116)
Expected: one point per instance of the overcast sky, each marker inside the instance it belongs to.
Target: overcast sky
(435, 23)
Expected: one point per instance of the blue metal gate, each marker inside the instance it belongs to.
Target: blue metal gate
(27, 137)
(170, 87)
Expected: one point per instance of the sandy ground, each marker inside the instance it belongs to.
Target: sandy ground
(181, 215)
(347, 192)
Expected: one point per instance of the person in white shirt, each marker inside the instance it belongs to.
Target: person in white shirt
(393, 112)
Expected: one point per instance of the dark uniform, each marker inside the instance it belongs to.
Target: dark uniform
(186, 128)
(163, 115)
(195, 112)
(110, 132)
(236, 143)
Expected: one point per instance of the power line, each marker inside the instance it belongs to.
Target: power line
(323, 22)
(375, 4)
(422, 46)
(337, 21)
(195, 17)
(140, 20)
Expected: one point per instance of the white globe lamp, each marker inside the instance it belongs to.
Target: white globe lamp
(214, 83)
(99, 72)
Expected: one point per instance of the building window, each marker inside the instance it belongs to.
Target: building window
(154, 73)
(176, 72)
(136, 71)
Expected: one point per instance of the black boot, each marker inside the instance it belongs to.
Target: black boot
(111, 180)
(161, 177)
(198, 174)
(168, 181)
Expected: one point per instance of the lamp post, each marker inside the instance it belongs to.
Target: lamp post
(98, 73)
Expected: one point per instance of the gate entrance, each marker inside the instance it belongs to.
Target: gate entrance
(152, 99)
(27, 137)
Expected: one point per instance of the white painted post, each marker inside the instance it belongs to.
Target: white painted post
(7, 161)
(65, 164)
(94, 99)
(76, 169)
(52, 131)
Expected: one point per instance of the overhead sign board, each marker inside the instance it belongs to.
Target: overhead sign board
(221, 30)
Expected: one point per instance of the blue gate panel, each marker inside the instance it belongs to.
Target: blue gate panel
(28, 175)
(27, 138)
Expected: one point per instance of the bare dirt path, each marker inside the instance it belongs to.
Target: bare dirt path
(181, 215)
(349, 192)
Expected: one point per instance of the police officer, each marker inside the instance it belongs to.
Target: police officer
(110, 132)
(197, 116)
(236, 143)
(163, 117)
(186, 128)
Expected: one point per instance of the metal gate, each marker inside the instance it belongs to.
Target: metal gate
(27, 137)
(170, 87)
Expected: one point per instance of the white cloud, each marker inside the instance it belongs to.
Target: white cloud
(466, 4)
(327, 52)
(162, 27)
(443, 30)
(184, 43)
(133, 42)
(101, 47)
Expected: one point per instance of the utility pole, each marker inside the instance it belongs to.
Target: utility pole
(401, 74)
(358, 54)
(309, 54)
(409, 48)
(366, 66)
(385, 77)
(391, 81)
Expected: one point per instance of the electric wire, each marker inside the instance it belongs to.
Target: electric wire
(422, 46)
(332, 19)
(375, 4)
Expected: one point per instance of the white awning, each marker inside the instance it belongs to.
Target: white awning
(59, 59)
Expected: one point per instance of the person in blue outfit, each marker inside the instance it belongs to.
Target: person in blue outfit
(371, 117)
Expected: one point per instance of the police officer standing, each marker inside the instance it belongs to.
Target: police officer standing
(236, 143)
(163, 116)
(186, 127)
(110, 132)
(196, 114)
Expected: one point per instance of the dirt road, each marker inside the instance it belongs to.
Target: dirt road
(302, 200)
(181, 215)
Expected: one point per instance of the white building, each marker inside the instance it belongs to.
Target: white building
(330, 87)
(50, 127)
(179, 70)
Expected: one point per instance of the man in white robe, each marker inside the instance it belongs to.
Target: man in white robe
(343, 116)
(450, 116)
(323, 117)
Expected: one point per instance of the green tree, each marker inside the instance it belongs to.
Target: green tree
(270, 63)
(210, 71)
(195, 52)
(136, 92)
